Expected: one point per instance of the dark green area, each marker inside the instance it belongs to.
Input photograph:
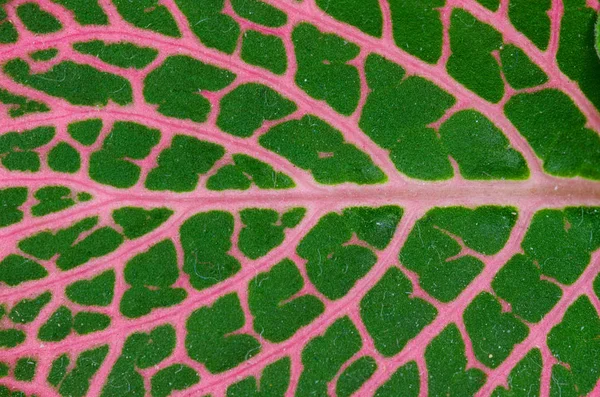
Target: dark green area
(45, 245)
(480, 148)
(531, 18)
(148, 14)
(20, 105)
(127, 140)
(324, 355)
(180, 165)
(314, 145)
(543, 118)
(492, 332)
(248, 106)
(64, 158)
(58, 370)
(151, 274)
(525, 378)
(4, 369)
(52, 199)
(471, 62)
(577, 57)
(575, 343)
(333, 264)
(8, 32)
(519, 283)
(213, 28)
(245, 171)
(562, 383)
(26, 310)
(58, 326)
(208, 338)
(173, 377)
(397, 116)
(259, 12)
(175, 86)
(323, 70)
(85, 131)
(432, 242)
(556, 238)
(11, 199)
(11, 337)
(25, 369)
(264, 50)
(392, 317)
(447, 366)
(44, 55)
(16, 149)
(100, 242)
(363, 14)
(520, 72)
(141, 350)
(86, 12)
(206, 241)
(97, 291)
(274, 382)
(122, 54)
(279, 312)
(77, 380)
(137, 221)
(354, 376)
(264, 229)
(37, 20)
(88, 322)
(490, 4)
(417, 27)
(76, 83)
(404, 382)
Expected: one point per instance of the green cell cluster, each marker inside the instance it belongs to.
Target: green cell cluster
(142, 351)
(433, 251)
(206, 241)
(122, 54)
(150, 275)
(51, 199)
(264, 229)
(11, 200)
(542, 118)
(17, 148)
(246, 171)
(180, 165)
(85, 132)
(127, 141)
(274, 382)
(19, 105)
(323, 69)
(334, 264)
(314, 145)
(264, 50)
(210, 25)
(85, 12)
(75, 382)
(37, 20)
(417, 27)
(147, 14)
(405, 381)
(259, 12)
(447, 366)
(174, 86)
(324, 355)
(279, 312)
(245, 109)
(97, 291)
(76, 83)
(212, 338)
(354, 376)
(392, 317)
(363, 14)
(61, 323)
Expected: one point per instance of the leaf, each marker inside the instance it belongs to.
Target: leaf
(299, 198)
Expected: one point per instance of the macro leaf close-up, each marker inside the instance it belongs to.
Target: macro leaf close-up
(309, 198)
